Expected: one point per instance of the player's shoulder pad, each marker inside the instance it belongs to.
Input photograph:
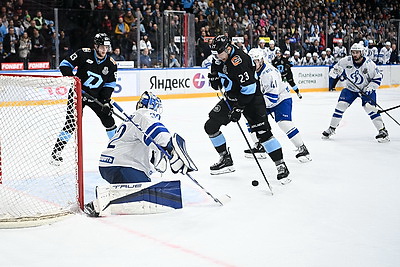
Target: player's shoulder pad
(113, 61)
(86, 50)
(236, 60)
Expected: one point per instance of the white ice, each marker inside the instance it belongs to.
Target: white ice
(341, 209)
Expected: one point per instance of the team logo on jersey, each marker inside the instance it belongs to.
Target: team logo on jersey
(105, 71)
(73, 56)
(89, 61)
(236, 60)
(217, 109)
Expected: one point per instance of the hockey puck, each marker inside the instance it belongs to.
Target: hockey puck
(254, 182)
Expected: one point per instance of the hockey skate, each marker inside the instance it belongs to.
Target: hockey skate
(283, 173)
(90, 210)
(327, 133)
(258, 151)
(224, 165)
(383, 136)
(56, 158)
(303, 155)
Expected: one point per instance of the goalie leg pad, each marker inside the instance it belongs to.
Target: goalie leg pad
(180, 154)
(139, 198)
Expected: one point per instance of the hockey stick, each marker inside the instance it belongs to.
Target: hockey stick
(370, 98)
(117, 106)
(95, 100)
(384, 110)
(248, 144)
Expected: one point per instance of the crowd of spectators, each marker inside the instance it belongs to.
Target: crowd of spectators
(309, 32)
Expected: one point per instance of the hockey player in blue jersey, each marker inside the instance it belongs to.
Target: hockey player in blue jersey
(97, 72)
(279, 103)
(362, 74)
(234, 71)
(134, 154)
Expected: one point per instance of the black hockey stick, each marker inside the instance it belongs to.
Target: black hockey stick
(95, 100)
(162, 150)
(370, 98)
(384, 110)
(248, 144)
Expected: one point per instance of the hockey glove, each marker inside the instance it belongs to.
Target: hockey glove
(336, 71)
(177, 164)
(235, 113)
(107, 109)
(215, 80)
(368, 90)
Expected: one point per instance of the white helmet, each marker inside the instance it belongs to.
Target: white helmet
(388, 43)
(315, 54)
(308, 55)
(297, 53)
(357, 47)
(256, 53)
(272, 42)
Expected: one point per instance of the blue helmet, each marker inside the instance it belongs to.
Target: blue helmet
(150, 101)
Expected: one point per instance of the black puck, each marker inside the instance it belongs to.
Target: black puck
(254, 182)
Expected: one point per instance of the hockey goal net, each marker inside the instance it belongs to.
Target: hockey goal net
(33, 190)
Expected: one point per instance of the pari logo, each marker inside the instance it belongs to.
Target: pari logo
(199, 80)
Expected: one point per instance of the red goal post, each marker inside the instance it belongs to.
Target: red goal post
(32, 113)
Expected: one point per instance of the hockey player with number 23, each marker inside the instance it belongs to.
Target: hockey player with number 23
(132, 156)
(362, 80)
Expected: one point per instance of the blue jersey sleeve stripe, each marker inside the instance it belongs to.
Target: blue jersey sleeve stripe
(249, 89)
(111, 84)
(66, 64)
(154, 134)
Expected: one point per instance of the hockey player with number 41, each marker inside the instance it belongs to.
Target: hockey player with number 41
(138, 149)
(279, 103)
(362, 80)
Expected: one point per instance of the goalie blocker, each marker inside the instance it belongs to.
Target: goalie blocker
(135, 198)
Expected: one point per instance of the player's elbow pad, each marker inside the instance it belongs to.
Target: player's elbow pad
(66, 71)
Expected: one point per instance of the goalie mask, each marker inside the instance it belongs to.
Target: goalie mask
(150, 101)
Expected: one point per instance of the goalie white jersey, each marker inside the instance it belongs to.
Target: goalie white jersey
(272, 86)
(366, 74)
(135, 149)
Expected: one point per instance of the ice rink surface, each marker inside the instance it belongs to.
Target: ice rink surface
(341, 209)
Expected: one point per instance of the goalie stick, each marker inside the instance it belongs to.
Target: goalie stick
(117, 106)
(248, 144)
(373, 102)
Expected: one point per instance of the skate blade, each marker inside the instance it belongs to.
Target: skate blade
(55, 162)
(258, 155)
(223, 170)
(304, 159)
(383, 140)
(285, 181)
(324, 137)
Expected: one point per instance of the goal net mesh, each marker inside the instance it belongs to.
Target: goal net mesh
(32, 114)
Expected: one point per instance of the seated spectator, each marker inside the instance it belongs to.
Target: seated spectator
(145, 43)
(116, 55)
(145, 60)
(173, 62)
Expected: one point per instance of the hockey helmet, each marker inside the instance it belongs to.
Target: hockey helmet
(256, 54)
(388, 43)
(150, 101)
(102, 39)
(220, 43)
(272, 42)
(358, 47)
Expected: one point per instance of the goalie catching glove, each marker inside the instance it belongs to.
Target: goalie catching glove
(180, 160)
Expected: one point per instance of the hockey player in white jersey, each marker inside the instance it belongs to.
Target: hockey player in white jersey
(139, 148)
(279, 103)
(339, 51)
(372, 51)
(364, 74)
(270, 52)
(384, 54)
